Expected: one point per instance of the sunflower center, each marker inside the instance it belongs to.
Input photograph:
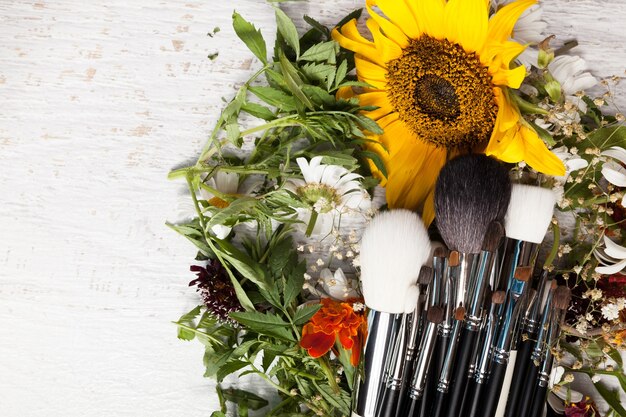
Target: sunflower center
(442, 93)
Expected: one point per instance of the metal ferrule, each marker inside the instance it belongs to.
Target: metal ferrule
(413, 327)
(423, 360)
(510, 317)
(477, 346)
(546, 366)
(468, 266)
(436, 290)
(383, 329)
(482, 364)
(543, 331)
(476, 293)
(396, 364)
(532, 319)
(446, 369)
(449, 301)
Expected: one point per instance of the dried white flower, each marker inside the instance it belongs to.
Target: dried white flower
(610, 311)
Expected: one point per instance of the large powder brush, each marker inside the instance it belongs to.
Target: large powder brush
(471, 192)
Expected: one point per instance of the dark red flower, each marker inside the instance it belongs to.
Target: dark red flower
(216, 289)
(581, 409)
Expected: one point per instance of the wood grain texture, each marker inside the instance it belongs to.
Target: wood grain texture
(100, 100)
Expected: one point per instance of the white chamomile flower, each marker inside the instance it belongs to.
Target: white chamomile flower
(569, 71)
(610, 311)
(613, 170)
(530, 27)
(612, 257)
(226, 183)
(330, 191)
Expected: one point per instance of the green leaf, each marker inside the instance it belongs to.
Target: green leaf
(275, 97)
(268, 358)
(611, 397)
(304, 313)
(369, 125)
(259, 111)
(236, 207)
(218, 414)
(318, 72)
(247, 267)
(188, 320)
(294, 283)
(239, 396)
(607, 137)
(293, 80)
(376, 159)
(264, 323)
(250, 36)
(342, 70)
(318, 95)
(288, 30)
(195, 236)
(229, 368)
(322, 52)
(339, 400)
(233, 133)
(213, 360)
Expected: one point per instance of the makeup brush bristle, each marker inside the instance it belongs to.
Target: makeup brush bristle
(459, 313)
(493, 236)
(562, 297)
(523, 273)
(425, 276)
(435, 314)
(498, 297)
(530, 212)
(440, 252)
(394, 247)
(471, 191)
(453, 259)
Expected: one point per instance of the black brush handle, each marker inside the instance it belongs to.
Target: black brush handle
(404, 391)
(467, 339)
(439, 404)
(412, 408)
(539, 400)
(528, 391)
(468, 394)
(389, 404)
(494, 386)
(432, 377)
(474, 406)
(522, 363)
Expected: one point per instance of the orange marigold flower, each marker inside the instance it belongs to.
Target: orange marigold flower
(334, 321)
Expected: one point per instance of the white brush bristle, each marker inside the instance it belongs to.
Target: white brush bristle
(530, 212)
(410, 299)
(394, 247)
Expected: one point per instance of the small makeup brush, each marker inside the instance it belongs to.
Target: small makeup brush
(473, 320)
(394, 247)
(474, 407)
(525, 370)
(434, 316)
(502, 345)
(561, 301)
(424, 282)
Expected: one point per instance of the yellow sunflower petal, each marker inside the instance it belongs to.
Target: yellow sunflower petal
(401, 14)
(466, 23)
(502, 23)
(392, 31)
(428, 211)
(539, 156)
(498, 55)
(376, 98)
(370, 73)
(387, 49)
(429, 14)
(511, 78)
(350, 38)
(507, 114)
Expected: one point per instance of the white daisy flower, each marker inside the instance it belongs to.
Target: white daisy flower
(226, 183)
(613, 170)
(330, 191)
(530, 27)
(569, 71)
(337, 285)
(612, 257)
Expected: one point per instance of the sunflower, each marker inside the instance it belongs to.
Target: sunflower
(440, 74)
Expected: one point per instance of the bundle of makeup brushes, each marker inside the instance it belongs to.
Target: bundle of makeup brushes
(460, 328)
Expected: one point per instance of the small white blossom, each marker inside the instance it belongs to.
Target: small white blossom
(596, 378)
(582, 326)
(358, 307)
(610, 311)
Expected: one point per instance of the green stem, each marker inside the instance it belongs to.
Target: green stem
(312, 221)
(330, 375)
(556, 233)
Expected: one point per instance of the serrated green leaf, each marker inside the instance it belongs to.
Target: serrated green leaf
(304, 313)
(338, 400)
(233, 133)
(195, 236)
(188, 320)
(317, 26)
(376, 159)
(247, 267)
(250, 36)
(268, 358)
(239, 396)
(293, 81)
(288, 30)
(243, 348)
(264, 323)
(294, 283)
(213, 360)
(318, 72)
(259, 111)
(322, 52)
(318, 95)
(369, 125)
(275, 97)
(229, 368)
(342, 70)
(236, 207)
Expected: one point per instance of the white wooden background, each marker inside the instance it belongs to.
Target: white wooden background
(99, 100)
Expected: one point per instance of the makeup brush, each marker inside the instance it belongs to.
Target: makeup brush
(427, 344)
(471, 192)
(562, 298)
(473, 320)
(525, 370)
(526, 223)
(474, 407)
(394, 247)
(424, 282)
